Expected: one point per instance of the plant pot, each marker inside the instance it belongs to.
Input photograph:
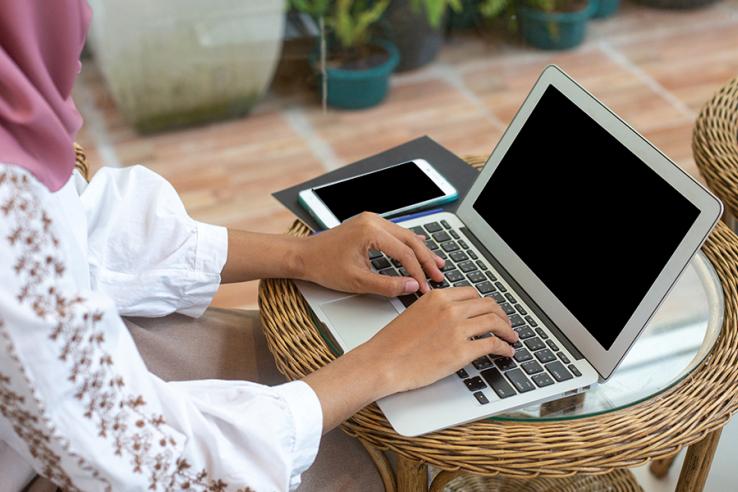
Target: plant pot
(553, 30)
(466, 18)
(676, 4)
(416, 40)
(359, 89)
(172, 63)
(601, 9)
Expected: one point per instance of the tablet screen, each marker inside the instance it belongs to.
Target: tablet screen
(591, 220)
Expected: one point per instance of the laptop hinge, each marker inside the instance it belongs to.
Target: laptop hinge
(521, 292)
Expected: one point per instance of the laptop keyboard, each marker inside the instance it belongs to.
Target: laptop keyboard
(538, 361)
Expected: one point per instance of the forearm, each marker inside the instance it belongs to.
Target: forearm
(254, 256)
(348, 384)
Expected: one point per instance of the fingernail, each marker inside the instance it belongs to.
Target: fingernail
(411, 285)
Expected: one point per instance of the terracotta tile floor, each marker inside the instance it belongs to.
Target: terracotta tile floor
(655, 68)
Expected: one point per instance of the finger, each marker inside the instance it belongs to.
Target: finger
(426, 257)
(489, 323)
(385, 285)
(400, 251)
(491, 345)
(484, 305)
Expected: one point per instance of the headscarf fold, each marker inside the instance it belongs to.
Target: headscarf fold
(40, 46)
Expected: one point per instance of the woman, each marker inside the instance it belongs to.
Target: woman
(77, 402)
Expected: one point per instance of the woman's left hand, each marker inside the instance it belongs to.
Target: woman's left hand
(339, 258)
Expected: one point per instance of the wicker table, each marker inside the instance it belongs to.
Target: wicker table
(562, 452)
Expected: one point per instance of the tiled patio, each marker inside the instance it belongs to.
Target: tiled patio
(655, 68)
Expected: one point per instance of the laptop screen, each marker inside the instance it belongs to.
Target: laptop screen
(593, 222)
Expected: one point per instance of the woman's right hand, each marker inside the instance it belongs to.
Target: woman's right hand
(429, 341)
(433, 338)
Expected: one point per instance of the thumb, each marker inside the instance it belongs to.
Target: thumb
(389, 286)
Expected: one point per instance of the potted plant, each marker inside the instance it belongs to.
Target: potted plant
(354, 66)
(554, 24)
(601, 9)
(170, 63)
(414, 26)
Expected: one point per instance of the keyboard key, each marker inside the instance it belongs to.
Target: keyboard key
(517, 345)
(381, 263)
(524, 332)
(475, 383)
(431, 245)
(574, 370)
(403, 272)
(485, 287)
(449, 246)
(420, 231)
(511, 298)
(439, 285)
(505, 363)
(534, 344)
(476, 276)
(563, 358)
(500, 287)
(373, 253)
(497, 297)
(491, 276)
(521, 309)
(440, 254)
(482, 363)
(531, 321)
(448, 266)
(516, 320)
(463, 283)
(531, 367)
(458, 256)
(462, 373)
(467, 266)
(463, 244)
(441, 237)
(481, 398)
(507, 308)
(498, 383)
(522, 355)
(445, 224)
(395, 263)
(390, 272)
(558, 371)
(408, 300)
(454, 234)
(545, 356)
(454, 276)
(520, 380)
(472, 255)
(480, 263)
(433, 227)
(542, 380)
(541, 333)
(552, 345)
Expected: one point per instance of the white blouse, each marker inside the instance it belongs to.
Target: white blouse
(76, 401)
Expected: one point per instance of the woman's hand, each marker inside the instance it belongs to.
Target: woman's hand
(430, 340)
(339, 258)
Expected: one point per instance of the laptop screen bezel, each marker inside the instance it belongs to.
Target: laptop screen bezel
(710, 210)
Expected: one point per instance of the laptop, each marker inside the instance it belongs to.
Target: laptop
(577, 226)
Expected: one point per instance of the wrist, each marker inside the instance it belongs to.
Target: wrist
(382, 380)
(296, 258)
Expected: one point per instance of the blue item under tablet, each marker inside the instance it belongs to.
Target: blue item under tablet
(403, 218)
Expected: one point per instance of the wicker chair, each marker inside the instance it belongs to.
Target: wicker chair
(715, 147)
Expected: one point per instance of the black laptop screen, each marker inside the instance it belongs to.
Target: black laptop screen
(588, 217)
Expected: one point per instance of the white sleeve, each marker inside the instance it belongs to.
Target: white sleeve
(77, 402)
(145, 252)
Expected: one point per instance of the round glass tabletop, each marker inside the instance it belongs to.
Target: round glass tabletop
(675, 341)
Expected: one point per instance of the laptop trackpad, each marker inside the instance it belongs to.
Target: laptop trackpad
(356, 319)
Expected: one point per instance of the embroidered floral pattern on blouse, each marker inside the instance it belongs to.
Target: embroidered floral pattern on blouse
(121, 418)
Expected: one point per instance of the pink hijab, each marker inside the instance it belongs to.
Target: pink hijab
(40, 44)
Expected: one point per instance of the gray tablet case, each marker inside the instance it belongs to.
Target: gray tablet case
(453, 168)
